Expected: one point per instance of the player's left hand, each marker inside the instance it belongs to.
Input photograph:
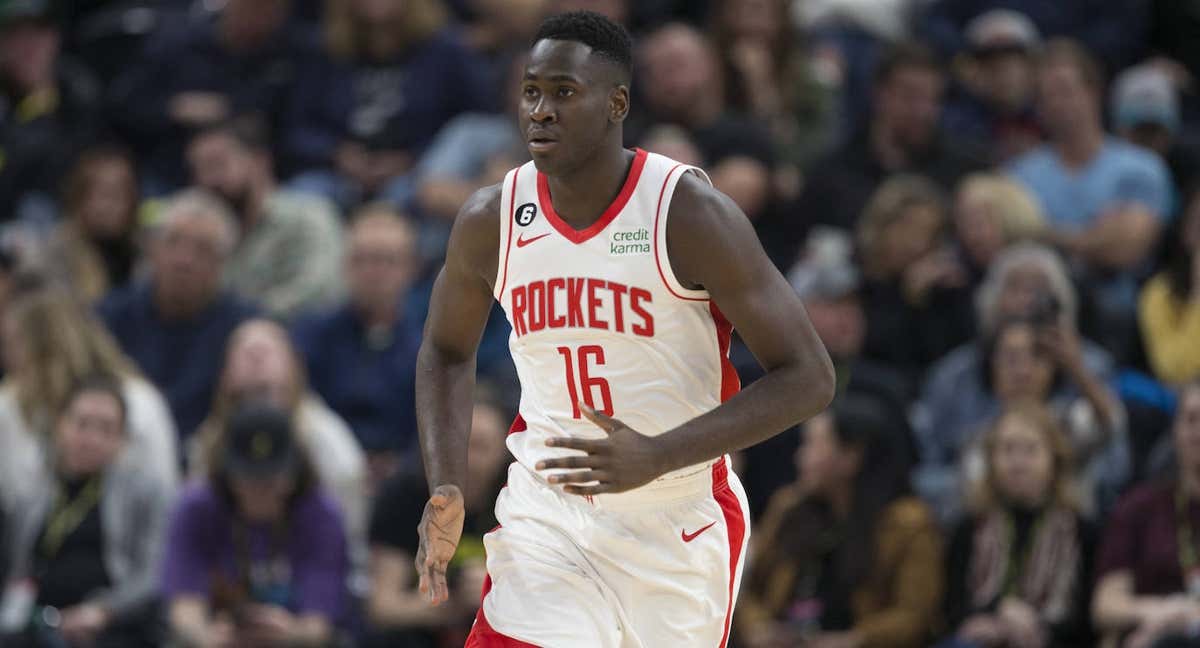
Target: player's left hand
(624, 460)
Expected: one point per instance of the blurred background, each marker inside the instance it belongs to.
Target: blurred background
(220, 220)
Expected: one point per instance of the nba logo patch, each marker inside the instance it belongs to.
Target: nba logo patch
(629, 242)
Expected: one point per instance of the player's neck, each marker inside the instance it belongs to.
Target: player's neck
(581, 197)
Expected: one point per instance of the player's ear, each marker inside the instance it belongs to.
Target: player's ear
(618, 104)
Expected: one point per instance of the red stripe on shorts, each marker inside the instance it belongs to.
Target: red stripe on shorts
(735, 525)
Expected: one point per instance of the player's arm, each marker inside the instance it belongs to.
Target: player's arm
(445, 380)
(712, 245)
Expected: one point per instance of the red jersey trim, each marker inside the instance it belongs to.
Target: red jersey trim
(735, 527)
(658, 261)
(512, 203)
(518, 425)
(731, 383)
(579, 236)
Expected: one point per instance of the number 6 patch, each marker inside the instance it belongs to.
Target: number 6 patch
(526, 213)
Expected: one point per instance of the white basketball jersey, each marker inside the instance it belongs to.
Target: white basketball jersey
(598, 316)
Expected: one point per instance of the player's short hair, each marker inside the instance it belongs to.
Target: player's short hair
(606, 38)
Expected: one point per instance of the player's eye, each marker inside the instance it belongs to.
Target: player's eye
(565, 91)
(530, 92)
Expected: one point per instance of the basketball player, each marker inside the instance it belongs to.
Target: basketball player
(622, 273)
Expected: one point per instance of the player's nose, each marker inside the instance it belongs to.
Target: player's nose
(543, 111)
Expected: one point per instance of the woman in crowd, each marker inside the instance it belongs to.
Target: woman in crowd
(991, 213)
(1169, 306)
(914, 292)
(94, 249)
(1029, 359)
(261, 365)
(1147, 570)
(845, 557)
(88, 542)
(255, 553)
(958, 400)
(50, 341)
(1019, 567)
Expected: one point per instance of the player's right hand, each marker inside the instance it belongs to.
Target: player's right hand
(439, 532)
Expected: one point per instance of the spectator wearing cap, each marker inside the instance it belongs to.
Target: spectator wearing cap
(995, 101)
(1106, 201)
(48, 109)
(176, 322)
(288, 252)
(86, 546)
(260, 364)
(1114, 29)
(255, 553)
(901, 136)
(1145, 111)
(201, 68)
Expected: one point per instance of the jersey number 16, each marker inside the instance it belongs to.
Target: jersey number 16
(586, 382)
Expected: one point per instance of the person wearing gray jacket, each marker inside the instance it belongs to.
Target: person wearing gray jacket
(85, 549)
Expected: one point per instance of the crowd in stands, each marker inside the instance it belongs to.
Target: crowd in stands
(220, 221)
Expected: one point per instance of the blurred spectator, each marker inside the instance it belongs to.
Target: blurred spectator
(915, 297)
(996, 73)
(94, 248)
(829, 283)
(1146, 112)
(255, 553)
(89, 541)
(501, 32)
(1024, 281)
(51, 341)
(1114, 29)
(848, 37)
(470, 151)
(845, 557)
(1019, 567)
(768, 78)
(991, 213)
(673, 142)
(398, 612)
(176, 322)
(362, 356)
(109, 35)
(261, 365)
(200, 69)
(1106, 200)
(364, 115)
(48, 108)
(901, 135)
(617, 10)
(288, 253)
(680, 79)
(1147, 567)
(1169, 307)
(1032, 358)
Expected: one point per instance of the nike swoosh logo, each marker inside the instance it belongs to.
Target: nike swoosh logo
(522, 242)
(688, 537)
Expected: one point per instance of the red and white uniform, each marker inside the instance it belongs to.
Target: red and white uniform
(598, 316)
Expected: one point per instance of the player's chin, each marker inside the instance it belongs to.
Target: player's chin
(546, 159)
